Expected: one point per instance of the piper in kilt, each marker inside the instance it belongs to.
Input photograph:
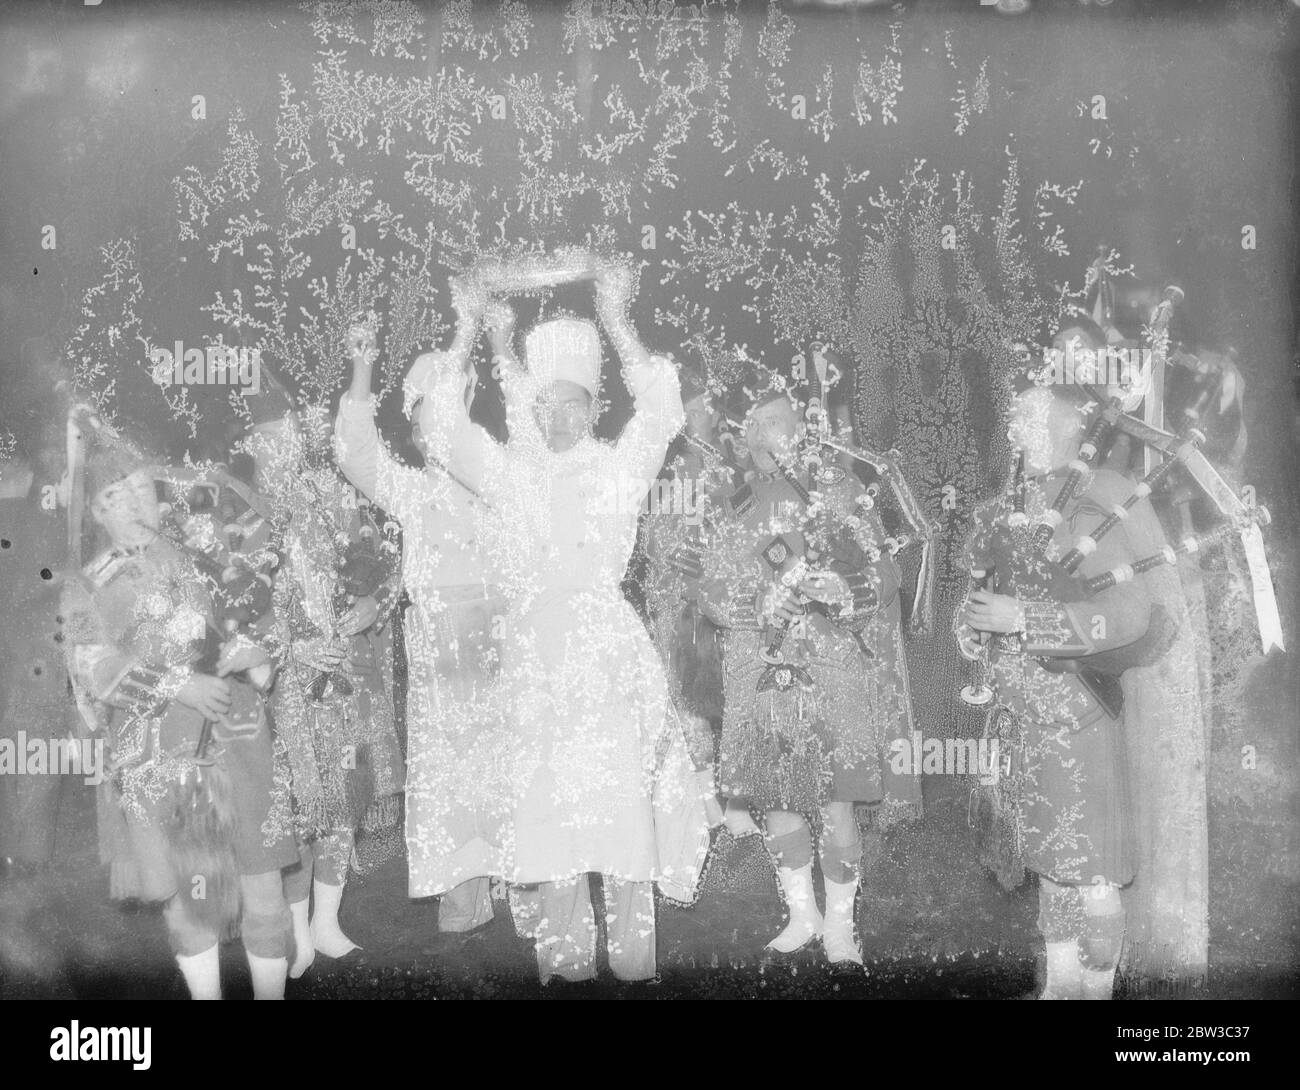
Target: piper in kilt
(1071, 801)
(809, 716)
(332, 702)
(192, 814)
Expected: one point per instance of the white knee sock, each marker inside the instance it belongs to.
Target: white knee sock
(268, 976)
(841, 946)
(202, 973)
(1063, 971)
(305, 950)
(326, 935)
(805, 921)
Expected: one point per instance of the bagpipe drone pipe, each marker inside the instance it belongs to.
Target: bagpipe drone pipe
(1014, 558)
(1009, 560)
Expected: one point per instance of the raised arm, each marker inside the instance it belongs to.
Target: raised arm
(362, 455)
(518, 387)
(652, 380)
(441, 381)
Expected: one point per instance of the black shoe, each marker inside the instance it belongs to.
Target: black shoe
(354, 959)
(795, 959)
(846, 970)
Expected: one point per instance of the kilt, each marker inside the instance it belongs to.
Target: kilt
(1075, 805)
(137, 843)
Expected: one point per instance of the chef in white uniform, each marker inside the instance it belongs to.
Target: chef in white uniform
(601, 778)
(457, 798)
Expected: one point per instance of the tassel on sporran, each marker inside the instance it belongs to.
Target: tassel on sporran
(787, 710)
(995, 808)
(200, 830)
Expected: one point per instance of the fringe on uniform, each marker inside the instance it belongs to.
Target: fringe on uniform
(383, 813)
(200, 830)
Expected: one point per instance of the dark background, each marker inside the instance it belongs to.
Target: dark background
(763, 239)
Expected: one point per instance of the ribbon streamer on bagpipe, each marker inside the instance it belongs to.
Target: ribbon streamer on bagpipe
(82, 420)
(1154, 379)
(1103, 307)
(1243, 519)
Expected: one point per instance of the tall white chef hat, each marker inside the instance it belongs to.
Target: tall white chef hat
(564, 349)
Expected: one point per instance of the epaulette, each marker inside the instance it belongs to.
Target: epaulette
(741, 502)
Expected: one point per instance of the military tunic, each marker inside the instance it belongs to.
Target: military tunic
(138, 625)
(818, 728)
(339, 730)
(1070, 781)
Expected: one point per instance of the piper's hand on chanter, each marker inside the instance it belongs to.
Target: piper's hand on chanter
(240, 654)
(360, 617)
(209, 696)
(969, 642)
(781, 604)
(824, 587)
(989, 612)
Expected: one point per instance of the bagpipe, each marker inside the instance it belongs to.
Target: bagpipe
(720, 464)
(197, 814)
(829, 540)
(237, 569)
(1015, 554)
(337, 564)
(920, 532)
(361, 569)
(829, 533)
